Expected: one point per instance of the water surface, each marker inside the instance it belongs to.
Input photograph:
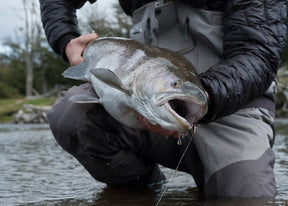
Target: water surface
(34, 170)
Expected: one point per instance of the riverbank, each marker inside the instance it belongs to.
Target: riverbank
(10, 107)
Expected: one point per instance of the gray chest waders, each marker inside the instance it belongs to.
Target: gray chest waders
(234, 150)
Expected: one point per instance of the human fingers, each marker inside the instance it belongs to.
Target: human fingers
(86, 38)
(75, 48)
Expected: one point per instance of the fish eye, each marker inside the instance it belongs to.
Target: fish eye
(176, 83)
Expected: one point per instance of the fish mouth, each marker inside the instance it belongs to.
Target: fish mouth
(185, 108)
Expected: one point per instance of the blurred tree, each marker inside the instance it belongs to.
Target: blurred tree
(47, 69)
(32, 38)
(285, 59)
(48, 72)
(117, 24)
(28, 62)
(12, 71)
(9, 90)
(124, 23)
(33, 68)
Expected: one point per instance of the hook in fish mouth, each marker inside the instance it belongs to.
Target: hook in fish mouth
(184, 115)
(186, 109)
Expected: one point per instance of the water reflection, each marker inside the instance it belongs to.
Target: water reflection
(35, 171)
(281, 165)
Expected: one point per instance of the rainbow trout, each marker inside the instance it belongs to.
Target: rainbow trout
(131, 77)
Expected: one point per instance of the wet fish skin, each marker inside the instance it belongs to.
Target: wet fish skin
(131, 77)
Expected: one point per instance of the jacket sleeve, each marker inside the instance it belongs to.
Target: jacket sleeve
(254, 43)
(60, 22)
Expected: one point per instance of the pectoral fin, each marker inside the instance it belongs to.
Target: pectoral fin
(111, 79)
(84, 98)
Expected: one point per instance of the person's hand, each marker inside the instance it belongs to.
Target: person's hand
(156, 128)
(75, 48)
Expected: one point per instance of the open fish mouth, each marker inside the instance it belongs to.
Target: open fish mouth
(177, 105)
(171, 107)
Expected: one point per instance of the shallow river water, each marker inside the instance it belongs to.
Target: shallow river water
(34, 170)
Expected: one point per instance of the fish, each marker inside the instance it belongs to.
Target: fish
(132, 78)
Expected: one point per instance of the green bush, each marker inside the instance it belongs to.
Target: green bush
(7, 91)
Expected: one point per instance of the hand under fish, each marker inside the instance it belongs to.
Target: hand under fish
(156, 128)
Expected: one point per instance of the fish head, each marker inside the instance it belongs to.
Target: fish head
(174, 97)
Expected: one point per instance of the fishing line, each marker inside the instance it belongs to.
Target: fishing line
(177, 167)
